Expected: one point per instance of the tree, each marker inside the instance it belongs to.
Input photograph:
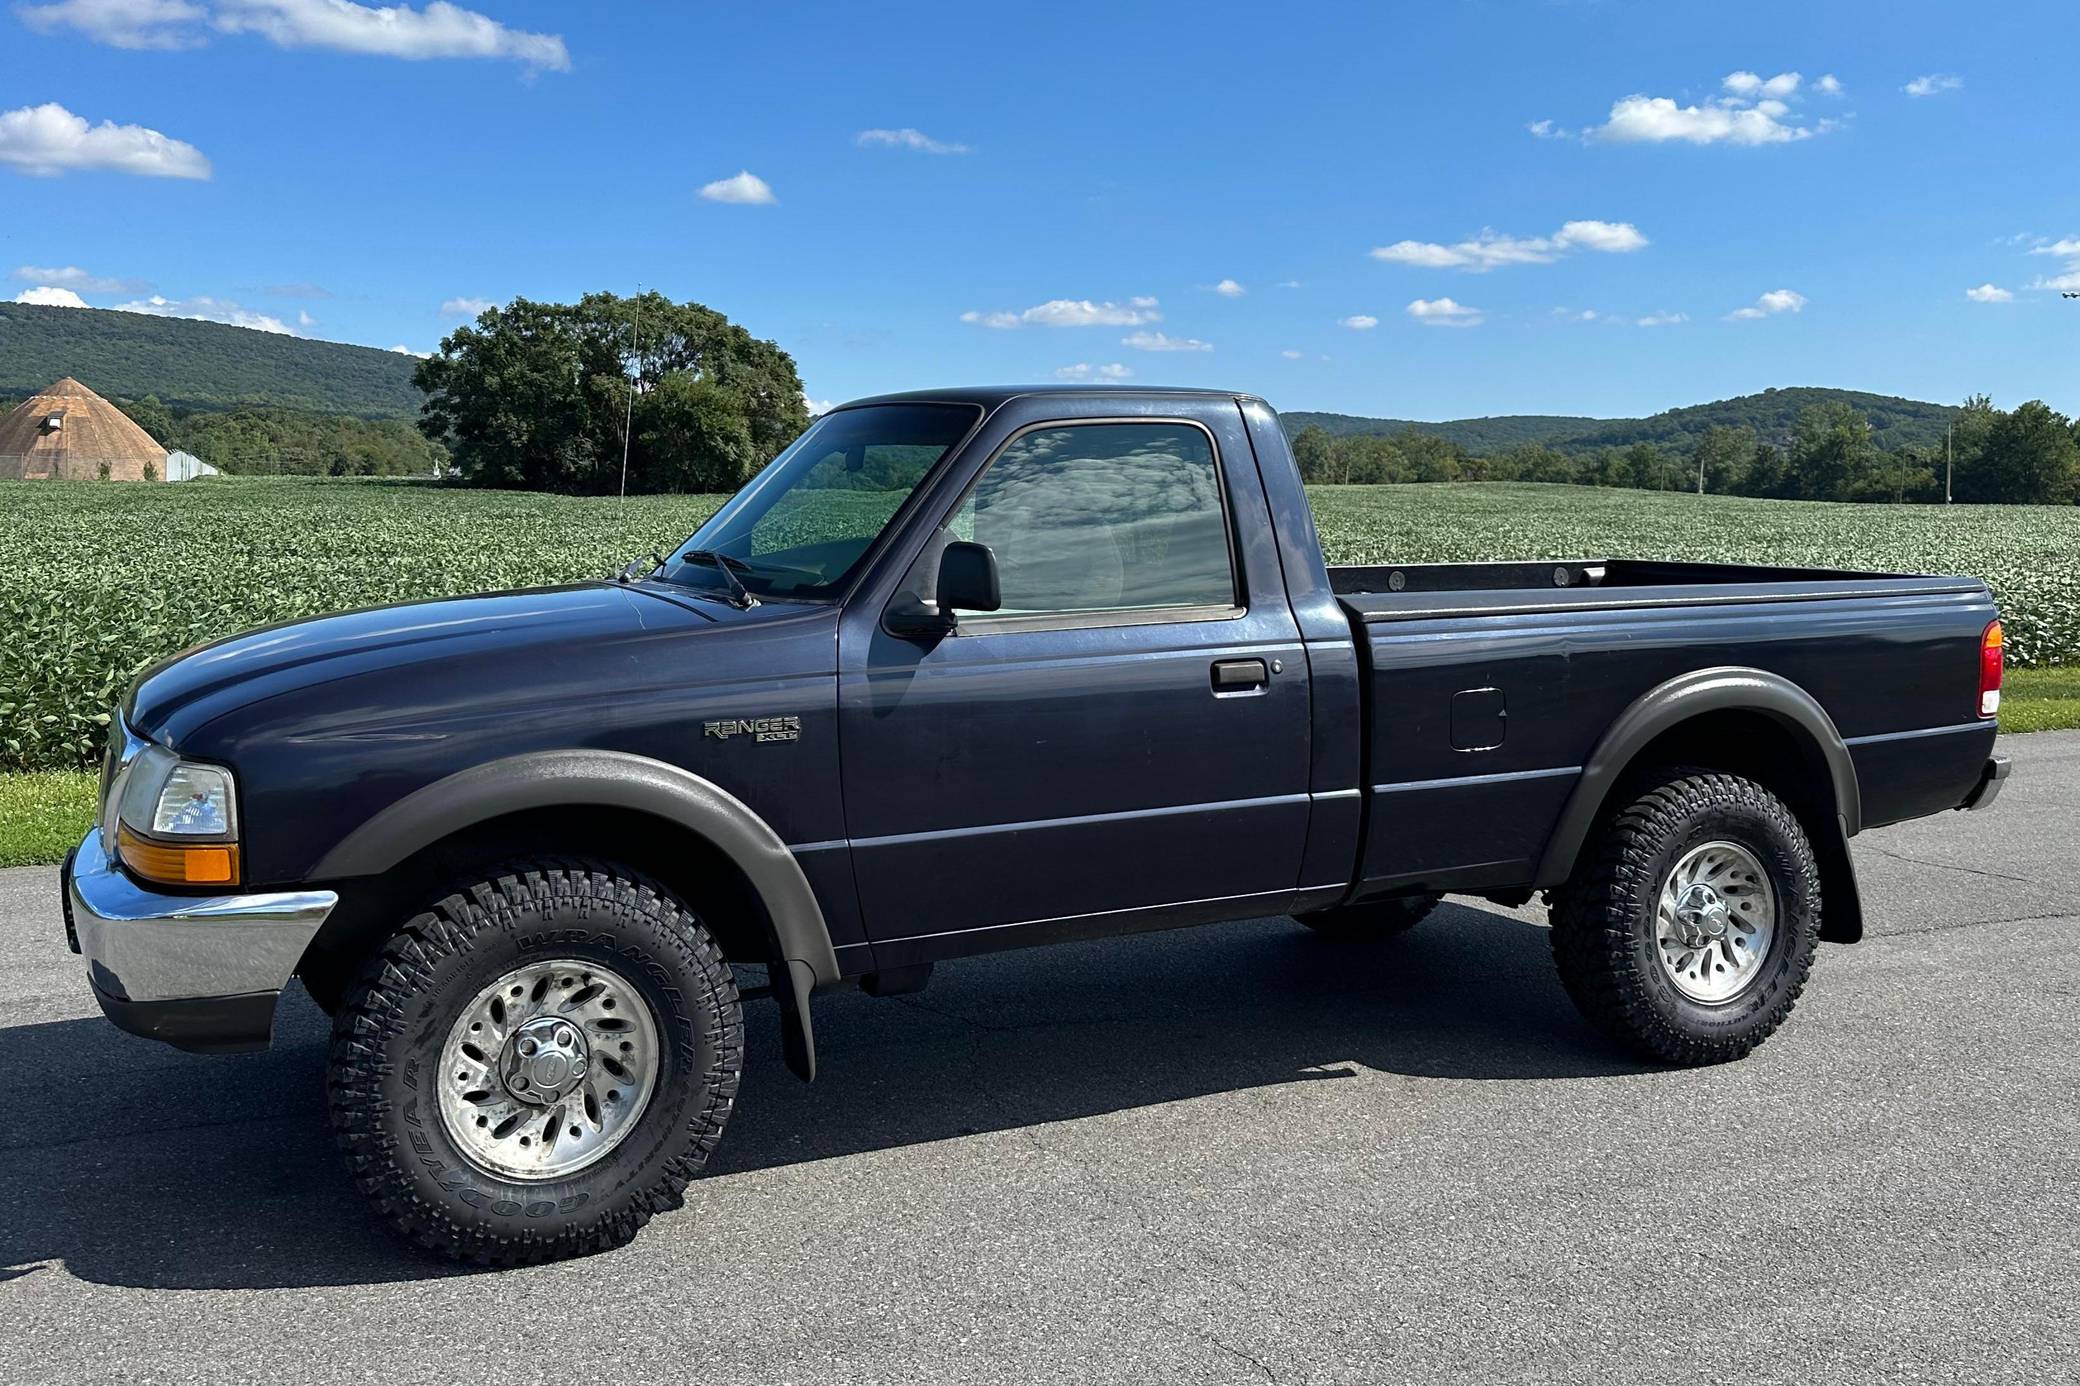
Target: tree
(1831, 450)
(2030, 457)
(1967, 450)
(537, 395)
(1722, 457)
(1314, 451)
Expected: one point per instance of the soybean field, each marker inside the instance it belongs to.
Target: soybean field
(105, 579)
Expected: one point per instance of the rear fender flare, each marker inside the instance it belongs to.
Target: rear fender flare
(802, 953)
(1727, 689)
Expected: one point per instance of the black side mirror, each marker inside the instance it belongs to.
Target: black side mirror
(968, 578)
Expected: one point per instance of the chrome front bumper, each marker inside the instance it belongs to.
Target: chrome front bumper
(197, 971)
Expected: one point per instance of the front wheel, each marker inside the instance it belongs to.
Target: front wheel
(1689, 933)
(536, 1066)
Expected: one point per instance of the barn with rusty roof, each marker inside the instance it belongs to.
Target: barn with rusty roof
(69, 433)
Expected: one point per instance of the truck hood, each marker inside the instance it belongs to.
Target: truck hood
(189, 689)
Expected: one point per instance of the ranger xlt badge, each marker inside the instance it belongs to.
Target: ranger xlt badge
(757, 728)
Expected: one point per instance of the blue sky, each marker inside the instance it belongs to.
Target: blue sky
(1076, 183)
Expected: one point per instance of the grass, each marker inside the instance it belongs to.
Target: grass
(44, 815)
(2034, 700)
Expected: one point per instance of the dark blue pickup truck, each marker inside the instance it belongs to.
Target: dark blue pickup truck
(967, 670)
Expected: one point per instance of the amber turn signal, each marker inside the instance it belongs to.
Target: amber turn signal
(202, 863)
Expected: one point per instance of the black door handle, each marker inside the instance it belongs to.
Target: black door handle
(1232, 674)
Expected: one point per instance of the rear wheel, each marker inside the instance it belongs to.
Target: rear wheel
(536, 1066)
(1371, 922)
(1690, 932)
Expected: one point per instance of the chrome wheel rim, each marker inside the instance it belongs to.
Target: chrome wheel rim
(1714, 922)
(548, 1069)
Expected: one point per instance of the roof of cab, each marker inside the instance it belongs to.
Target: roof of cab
(990, 396)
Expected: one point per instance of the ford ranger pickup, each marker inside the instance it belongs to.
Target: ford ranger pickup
(966, 670)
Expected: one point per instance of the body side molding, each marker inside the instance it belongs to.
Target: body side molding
(616, 779)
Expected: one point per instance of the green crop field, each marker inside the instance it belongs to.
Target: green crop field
(105, 579)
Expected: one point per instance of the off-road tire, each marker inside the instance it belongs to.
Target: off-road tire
(1603, 929)
(386, 1055)
(1372, 922)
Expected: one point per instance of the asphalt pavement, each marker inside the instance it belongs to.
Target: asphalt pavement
(1232, 1154)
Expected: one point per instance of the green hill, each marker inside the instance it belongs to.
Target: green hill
(1895, 423)
(199, 365)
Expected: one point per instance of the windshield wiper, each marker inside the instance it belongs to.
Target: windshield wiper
(740, 595)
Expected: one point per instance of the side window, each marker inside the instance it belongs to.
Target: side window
(1104, 517)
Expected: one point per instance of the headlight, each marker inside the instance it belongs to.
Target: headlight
(177, 820)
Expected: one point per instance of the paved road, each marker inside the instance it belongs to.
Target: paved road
(1232, 1154)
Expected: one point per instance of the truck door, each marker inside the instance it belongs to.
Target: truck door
(1125, 742)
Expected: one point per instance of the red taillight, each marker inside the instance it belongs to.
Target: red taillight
(1990, 670)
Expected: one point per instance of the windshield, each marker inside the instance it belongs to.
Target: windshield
(803, 525)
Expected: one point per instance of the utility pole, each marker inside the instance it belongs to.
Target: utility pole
(635, 369)
(1700, 471)
(1946, 461)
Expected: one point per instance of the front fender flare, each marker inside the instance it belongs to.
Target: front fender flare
(1728, 688)
(616, 779)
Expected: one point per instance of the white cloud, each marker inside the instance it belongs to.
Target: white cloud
(440, 30)
(907, 138)
(1774, 302)
(1657, 120)
(1292, 355)
(466, 307)
(1989, 293)
(162, 24)
(1663, 319)
(2067, 249)
(1934, 84)
(1288, 283)
(1229, 288)
(403, 350)
(1491, 248)
(73, 277)
(1157, 341)
(1359, 322)
(1084, 370)
(745, 189)
(1071, 312)
(48, 140)
(1081, 312)
(304, 319)
(1753, 110)
(49, 296)
(818, 406)
(1444, 312)
(205, 309)
(1749, 85)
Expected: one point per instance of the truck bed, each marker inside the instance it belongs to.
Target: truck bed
(1424, 591)
(1492, 721)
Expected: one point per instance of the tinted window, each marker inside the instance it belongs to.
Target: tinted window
(804, 523)
(1101, 517)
